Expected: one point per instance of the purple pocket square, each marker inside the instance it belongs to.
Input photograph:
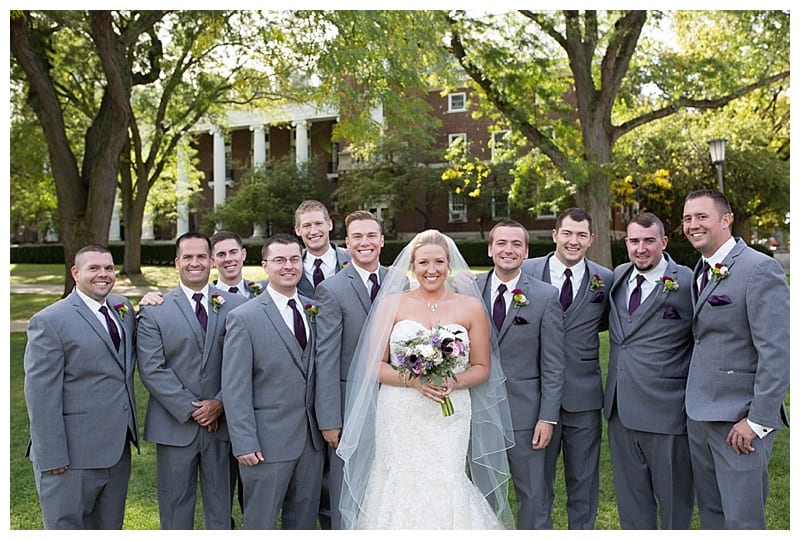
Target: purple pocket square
(598, 297)
(520, 320)
(671, 313)
(721, 300)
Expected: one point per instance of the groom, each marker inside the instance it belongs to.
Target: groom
(527, 325)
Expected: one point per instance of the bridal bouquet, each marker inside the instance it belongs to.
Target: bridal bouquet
(433, 354)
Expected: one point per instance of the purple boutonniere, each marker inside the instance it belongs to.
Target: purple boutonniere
(518, 295)
(121, 310)
(311, 312)
(596, 282)
(719, 271)
(254, 288)
(670, 284)
(217, 302)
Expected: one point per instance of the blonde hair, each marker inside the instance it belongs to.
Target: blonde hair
(430, 237)
(310, 206)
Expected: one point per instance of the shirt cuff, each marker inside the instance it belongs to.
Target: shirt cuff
(761, 431)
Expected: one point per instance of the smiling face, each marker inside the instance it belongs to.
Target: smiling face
(284, 267)
(645, 245)
(508, 250)
(572, 239)
(431, 266)
(193, 263)
(364, 240)
(94, 274)
(229, 259)
(705, 225)
(314, 229)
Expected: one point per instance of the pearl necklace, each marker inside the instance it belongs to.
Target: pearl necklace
(433, 306)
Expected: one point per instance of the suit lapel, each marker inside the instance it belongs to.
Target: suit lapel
(358, 287)
(729, 261)
(99, 328)
(275, 318)
(617, 293)
(187, 310)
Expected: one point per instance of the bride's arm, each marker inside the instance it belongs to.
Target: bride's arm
(479, 344)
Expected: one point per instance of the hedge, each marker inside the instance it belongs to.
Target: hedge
(162, 253)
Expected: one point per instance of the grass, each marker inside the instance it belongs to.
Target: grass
(142, 509)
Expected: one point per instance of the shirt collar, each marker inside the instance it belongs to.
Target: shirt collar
(721, 252)
(652, 275)
(510, 284)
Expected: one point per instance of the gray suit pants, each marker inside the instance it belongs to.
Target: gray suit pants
(652, 471)
(85, 499)
(731, 490)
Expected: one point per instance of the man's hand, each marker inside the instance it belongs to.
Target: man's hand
(331, 437)
(740, 436)
(207, 412)
(250, 459)
(152, 298)
(542, 435)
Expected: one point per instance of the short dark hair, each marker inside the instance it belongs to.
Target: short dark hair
(188, 235)
(647, 220)
(361, 215)
(720, 200)
(90, 248)
(280, 238)
(219, 236)
(509, 223)
(575, 214)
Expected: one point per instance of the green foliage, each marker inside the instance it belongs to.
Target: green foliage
(268, 196)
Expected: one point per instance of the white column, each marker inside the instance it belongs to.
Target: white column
(219, 166)
(114, 229)
(259, 147)
(301, 141)
(147, 224)
(259, 157)
(182, 187)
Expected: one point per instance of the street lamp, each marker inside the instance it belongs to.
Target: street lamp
(717, 148)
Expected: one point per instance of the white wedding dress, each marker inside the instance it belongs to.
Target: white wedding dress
(418, 478)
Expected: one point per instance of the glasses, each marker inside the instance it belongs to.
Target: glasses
(280, 261)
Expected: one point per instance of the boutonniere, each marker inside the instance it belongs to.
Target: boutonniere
(254, 288)
(217, 302)
(518, 295)
(670, 284)
(345, 263)
(311, 312)
(121, 310)
(596, 282)
(719, 271)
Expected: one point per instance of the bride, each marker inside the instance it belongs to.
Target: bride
(405, 460)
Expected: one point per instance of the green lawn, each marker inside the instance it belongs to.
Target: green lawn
(142, 510)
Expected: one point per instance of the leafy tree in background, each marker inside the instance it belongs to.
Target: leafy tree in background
(609, 85)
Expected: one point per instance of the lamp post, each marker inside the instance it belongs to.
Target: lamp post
(717, 148)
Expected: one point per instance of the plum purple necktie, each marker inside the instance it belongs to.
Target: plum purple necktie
(566, 290)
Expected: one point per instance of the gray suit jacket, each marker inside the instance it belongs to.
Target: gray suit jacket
(740, 364)
(306, 288)
(254, 288)
(78, 388)
(268, 383)
(650, 353)
(531, 344)
(588, 315)
(178, 364)
(344, 304)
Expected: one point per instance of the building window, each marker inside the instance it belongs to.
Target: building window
(499, 204)
(500, 144)
(457, 102)
(453, 138)
(457, 208)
